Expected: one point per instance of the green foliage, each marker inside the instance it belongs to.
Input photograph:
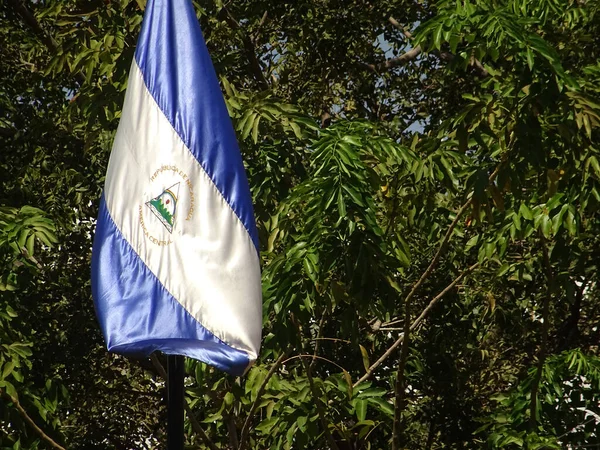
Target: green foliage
(378, 137)
(569, 397)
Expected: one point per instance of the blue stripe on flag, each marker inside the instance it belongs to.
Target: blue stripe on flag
(178, 72)
(138, 315)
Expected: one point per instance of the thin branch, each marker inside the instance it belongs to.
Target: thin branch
(482, 71)
(232, 430)
(345, 341)
(404, 58)
(400, 391)
(306, 355)
(592, 419)
(320, 411)
(259, 394)
(260, 25)
(30, 20)
(198, 428)
(435, 299)
(44, 37)
(319, 335)
(396, 24)
(391, 322)
(416, 51)
(195, 424)
(415, 324)
(315, 391)
(545, 328)
(30, 421)
(425, 275)
(248, 46)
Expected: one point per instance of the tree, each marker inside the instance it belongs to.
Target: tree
(426, 185)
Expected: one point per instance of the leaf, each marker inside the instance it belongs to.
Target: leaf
(7, 369)
(248, 125)
(593, 161)
(349, 382)
(437, 37)
(352, 140)
(525, 212)
(353, 194)
(554, 201)
(570, 224)
(341, 204)
(365, 357)
(529, 58)
(471, 242)
(290, 433)
(382, 405)
(271, 240)
(301, 421)
(255, 130)
(10, 390)
(266, 425)
(29, 245)
(361, 409)
(270, 408)
(546, 226)
(503, 269)
(296, 129)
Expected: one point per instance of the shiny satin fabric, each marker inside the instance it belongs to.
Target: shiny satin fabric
(138, 315)
(184, 277)
(178, 72)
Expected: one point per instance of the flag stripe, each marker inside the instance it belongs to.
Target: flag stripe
(172, 56)
(208, 263)
(138, 315)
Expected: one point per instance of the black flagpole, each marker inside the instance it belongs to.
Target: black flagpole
(175, 399)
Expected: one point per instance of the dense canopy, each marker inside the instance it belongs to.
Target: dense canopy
(426, 181)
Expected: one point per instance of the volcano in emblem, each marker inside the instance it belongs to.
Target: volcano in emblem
(164, 206)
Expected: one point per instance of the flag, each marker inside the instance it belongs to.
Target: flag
(175, 263)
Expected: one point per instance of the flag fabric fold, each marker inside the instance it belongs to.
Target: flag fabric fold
(175, 264)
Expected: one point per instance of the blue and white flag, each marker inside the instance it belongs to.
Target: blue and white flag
(175, 264)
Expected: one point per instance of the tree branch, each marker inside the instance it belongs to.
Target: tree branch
(260, 25)
(30, 421)
(320, 411)
(425, 275)
(396, 24)
(416, 51)
(195, 424)
(404, 58)
(44, 37)
(248, 46)
(535, 385)
(315, 392)
(400, 391)
(435, 299)
(30, 20)
(415, 324)
(318, 338)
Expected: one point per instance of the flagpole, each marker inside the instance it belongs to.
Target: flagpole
(175, 399)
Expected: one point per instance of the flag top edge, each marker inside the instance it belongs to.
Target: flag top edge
(171, 60)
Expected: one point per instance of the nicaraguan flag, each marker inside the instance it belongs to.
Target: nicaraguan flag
(175, 264)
